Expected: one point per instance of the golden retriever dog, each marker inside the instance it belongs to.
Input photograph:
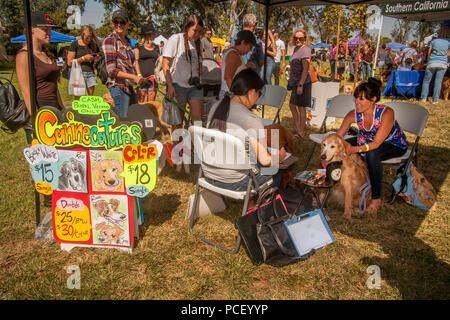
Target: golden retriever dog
(354, 173)
(108, 234)
(107, 175)
(445, 89)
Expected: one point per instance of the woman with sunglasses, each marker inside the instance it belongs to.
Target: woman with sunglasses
(233, 115)
(300, 80)
(183, 52)
(120, 64)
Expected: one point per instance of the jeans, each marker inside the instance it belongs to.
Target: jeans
(122, 100)
(276, 73)
(270, 65)
(332, 66)
(374, 158)
(366, 69)
(438, 76)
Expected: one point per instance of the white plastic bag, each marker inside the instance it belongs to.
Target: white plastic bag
(171, 113)
(77, 85)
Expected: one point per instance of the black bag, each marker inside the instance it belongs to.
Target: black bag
(13, 111)
(65, 71)
(100, 66)
(260, 243)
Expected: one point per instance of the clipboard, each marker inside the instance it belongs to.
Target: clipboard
(309, 231)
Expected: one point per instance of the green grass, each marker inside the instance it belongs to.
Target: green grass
(409, 245)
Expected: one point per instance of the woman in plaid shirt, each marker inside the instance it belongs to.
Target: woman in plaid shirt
(120, 62)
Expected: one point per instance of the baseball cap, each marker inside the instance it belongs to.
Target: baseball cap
(120, 14)
(147, 29)
(41, 19)
(247, 36)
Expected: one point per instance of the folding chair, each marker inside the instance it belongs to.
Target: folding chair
(221, 150)
(412, 118)
(406, 83)
(339, 107)
(273, 97)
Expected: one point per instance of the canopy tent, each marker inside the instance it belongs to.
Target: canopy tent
(355, 41)
(55, 37)
(421, 10)
(320, 45)
(395, 46)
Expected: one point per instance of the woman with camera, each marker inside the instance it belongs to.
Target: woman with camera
(85, 51)
(182, 52)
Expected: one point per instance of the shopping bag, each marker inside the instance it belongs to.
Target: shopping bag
(171, 113)
(77, 85)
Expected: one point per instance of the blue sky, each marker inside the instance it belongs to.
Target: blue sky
(94, 11)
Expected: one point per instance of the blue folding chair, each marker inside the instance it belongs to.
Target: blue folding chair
(406, 83)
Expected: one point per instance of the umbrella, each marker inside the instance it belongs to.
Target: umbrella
(395, 46)
(54, 37)
(320, 45)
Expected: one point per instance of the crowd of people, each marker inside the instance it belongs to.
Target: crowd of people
(242, 82)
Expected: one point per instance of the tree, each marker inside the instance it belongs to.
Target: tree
(401, 30)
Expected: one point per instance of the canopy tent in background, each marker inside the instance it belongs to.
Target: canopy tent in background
(55, 37)
(320, 45)
(395, 46)
(354, 42)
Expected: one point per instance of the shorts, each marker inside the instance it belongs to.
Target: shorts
(184, 95)
(90, 78)
(305, 99)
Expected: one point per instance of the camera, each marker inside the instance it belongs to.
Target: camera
(195, 81)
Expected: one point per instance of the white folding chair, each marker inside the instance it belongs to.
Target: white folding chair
(412, 118)
(273, 97)
(221, 150)
(339, 107)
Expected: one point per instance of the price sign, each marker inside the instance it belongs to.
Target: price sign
(140, 169)
(72, 220)
(90, 105)
(45, 175)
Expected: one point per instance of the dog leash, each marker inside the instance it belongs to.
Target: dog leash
(365, 188)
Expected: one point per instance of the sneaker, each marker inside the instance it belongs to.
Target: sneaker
(422, 100)
(435, 102)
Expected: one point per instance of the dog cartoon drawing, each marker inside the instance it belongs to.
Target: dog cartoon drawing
(107, 175)
(73, 175)
(108, 234)
(109, 211)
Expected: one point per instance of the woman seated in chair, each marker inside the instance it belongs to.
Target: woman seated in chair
(234, 113)
(379, 138)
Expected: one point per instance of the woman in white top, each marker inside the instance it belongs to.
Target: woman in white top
(232, 61)
(183, 51)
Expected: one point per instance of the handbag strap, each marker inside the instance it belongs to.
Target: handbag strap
(272, 191)
(277, 239)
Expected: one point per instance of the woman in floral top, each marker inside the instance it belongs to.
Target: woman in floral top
(379, 138)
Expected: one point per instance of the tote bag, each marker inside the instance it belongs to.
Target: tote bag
(77, 85)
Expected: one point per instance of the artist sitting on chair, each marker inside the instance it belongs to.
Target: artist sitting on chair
(383, 140)
(233, 113)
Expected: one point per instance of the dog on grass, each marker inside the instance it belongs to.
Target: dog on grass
(73, 175)
(445, 89)
(354, 173)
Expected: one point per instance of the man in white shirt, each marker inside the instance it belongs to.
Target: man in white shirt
(281, 53)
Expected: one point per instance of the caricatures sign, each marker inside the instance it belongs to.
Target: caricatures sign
(93, 169)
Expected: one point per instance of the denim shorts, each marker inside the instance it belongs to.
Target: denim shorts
(184, 95)
(122, 100)
(90, 78)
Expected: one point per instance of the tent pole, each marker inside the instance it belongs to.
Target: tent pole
(32, 80)
(265, 49)
(378, 45)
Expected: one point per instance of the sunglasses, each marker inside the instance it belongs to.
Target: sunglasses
(120, 22)
(299, 38)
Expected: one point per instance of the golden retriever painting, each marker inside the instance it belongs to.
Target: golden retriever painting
(106, 175)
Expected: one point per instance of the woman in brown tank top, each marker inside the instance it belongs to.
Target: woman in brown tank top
(47, 72)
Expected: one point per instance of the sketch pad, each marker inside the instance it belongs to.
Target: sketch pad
(309, 231)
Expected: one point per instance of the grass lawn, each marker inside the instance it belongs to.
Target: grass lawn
(411, 246)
